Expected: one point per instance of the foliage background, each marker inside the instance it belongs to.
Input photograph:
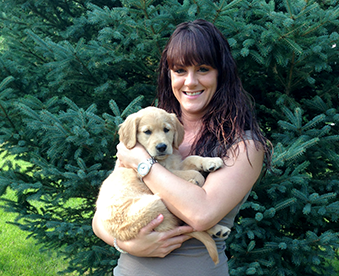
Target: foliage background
(71, 71)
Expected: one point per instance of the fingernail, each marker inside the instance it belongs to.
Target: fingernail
(160, 217)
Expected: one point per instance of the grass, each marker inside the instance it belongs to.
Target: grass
(20, 256)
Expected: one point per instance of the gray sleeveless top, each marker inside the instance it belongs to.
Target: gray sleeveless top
(191, 259)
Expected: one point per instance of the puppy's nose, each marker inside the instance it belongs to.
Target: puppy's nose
(161, 147)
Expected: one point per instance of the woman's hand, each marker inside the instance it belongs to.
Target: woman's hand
(149, 243)
(131, 158)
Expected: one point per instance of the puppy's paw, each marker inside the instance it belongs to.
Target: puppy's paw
(198, 180)
(211, 164)
(219, 231)
(193, 181)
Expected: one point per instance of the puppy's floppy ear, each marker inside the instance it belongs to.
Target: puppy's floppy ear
(128, 130)
(179, 131)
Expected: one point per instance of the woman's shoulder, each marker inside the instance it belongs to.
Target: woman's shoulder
(246, 135)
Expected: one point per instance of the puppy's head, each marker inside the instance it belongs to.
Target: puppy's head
(158, 131)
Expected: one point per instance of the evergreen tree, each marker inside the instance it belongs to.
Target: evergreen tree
(71, 71)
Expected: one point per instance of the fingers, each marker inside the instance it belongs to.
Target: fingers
(167, 245)
(168, 249)
(178, 231)
(171, 238)
(150, 243)
(119, 164)
(170, 244)
(120, 148)
(152, 225)
(130, 158)
(178, 240)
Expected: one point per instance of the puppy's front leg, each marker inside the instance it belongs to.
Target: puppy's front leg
(192, 176)
(206, 164)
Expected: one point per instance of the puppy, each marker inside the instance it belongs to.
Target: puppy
(125, 204)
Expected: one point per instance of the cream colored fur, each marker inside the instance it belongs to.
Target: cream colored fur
(125, 204)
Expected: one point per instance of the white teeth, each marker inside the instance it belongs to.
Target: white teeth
(193, 93)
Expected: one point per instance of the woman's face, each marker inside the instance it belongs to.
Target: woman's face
(194, 86)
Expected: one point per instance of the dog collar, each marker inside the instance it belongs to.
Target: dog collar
(144, 167)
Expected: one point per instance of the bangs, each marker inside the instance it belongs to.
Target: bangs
(191, 47)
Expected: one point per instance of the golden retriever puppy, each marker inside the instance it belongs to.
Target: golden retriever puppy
(125, 204)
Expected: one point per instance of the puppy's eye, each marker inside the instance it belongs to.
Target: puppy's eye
(148, 132)
(166, 130)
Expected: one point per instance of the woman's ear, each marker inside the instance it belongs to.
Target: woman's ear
(179, 131)
(128, 130)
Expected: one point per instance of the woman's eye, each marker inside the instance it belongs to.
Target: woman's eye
(203, 69)
(148, 132)
(180, 71)
(166, 130)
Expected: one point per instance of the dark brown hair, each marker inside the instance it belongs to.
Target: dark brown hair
(230, 111)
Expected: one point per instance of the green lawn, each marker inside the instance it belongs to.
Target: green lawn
(20, 256)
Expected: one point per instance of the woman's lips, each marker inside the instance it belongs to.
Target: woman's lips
(193, 93)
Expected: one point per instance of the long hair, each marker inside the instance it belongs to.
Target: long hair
(230, 112)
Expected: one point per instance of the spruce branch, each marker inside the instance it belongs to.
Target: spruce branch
(57, 13)
(301, 78)
(8, 118)
(219, 10)
(288, 7)
(290, 75)
(144, 9)
(66, 7)
(3, 93)
(37, 39)
(78, 59)
(314, 28)
(55, 22)
(42, 15)
(307, 9)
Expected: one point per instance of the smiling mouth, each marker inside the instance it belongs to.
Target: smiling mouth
(194, 93)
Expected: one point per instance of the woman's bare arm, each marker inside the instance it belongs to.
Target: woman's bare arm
(203, 207)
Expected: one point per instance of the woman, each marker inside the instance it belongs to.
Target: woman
(198, 81)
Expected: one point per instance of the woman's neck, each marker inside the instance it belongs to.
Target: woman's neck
(191, 122)
(192, 126)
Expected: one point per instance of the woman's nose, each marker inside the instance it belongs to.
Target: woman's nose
(191, 79)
